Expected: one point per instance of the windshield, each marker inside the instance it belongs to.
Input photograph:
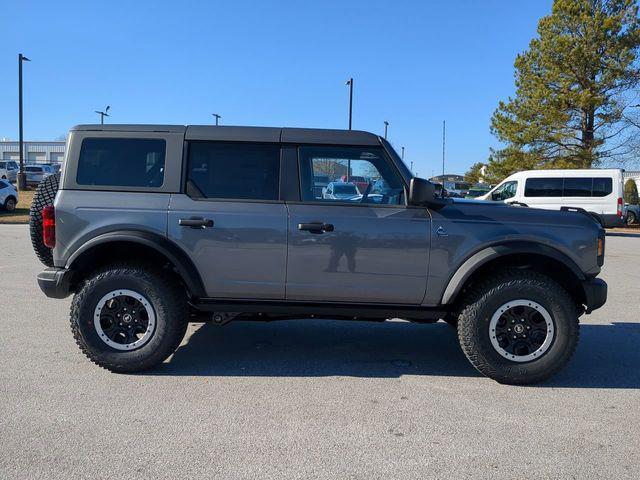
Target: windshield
(344, 189)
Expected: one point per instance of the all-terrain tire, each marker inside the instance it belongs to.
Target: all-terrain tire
(167, 299)
(483, 301)
(44, 196)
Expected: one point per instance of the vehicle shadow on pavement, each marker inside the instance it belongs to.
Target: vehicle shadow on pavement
(608, 356)
(314, 348)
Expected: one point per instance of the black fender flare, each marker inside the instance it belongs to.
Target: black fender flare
(475, 261)
(186, 269)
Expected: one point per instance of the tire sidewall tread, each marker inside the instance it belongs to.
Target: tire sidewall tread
(45, 195)
(167, 299)
(488, 296)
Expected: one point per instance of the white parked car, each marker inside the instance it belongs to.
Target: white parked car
(8, 170)
(340, 191)
(8, 196)
(598, 191)
(37, 173)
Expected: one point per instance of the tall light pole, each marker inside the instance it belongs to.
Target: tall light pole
(22, 178)
(103, 114)
(350, 83)
(386, 126)
(218, 117)
(402, 155)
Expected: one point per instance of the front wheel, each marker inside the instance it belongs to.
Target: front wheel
(631, 218)
(519, 327)
(10, 204)
(129, 318)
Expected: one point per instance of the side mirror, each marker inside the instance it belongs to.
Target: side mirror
(495, 197)
(423, 193)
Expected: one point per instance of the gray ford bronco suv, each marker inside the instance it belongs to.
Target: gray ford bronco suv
(153, 226)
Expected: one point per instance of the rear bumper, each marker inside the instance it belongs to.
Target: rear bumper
(595, 293)
(55, 282)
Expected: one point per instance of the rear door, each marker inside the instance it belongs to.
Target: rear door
(371, 248)
(230, 220)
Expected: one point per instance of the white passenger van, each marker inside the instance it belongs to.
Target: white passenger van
(599, 192)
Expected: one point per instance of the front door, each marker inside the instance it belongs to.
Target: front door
(367, 247)
(230, 220)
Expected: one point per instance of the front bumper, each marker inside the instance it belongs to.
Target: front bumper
(55, 282)
(595, 293)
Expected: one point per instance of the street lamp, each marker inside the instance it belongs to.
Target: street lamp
(103, 114)
(386, 125)
(218, 117)
(402, 155)
(22, 178)
(350, 83)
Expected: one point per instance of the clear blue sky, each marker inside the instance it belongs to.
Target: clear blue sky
(270, 63)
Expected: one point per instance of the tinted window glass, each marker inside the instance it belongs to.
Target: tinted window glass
(3, 185)
(543, 187)
(505, 191)
(354, 174)
(3, 164)
(602, 187)
(234, 170)
(121, 162)
(577, 187)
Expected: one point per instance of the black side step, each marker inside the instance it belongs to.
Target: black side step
(353, 310)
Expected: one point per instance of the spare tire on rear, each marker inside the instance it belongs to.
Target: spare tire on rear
(44, 196)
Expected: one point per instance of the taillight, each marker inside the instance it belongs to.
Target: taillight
(49, 226)
(619, 210)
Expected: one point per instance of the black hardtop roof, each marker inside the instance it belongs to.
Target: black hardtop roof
(248, 134)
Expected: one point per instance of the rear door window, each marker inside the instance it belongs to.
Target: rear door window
(121, 162)
(543, 187)
(242, 171)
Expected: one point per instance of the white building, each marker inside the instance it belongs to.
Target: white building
(34, 152)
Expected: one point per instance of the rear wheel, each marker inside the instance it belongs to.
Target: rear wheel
(519, 327)
(631, 218)
(129, 318)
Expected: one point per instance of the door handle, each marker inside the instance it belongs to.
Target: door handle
(316, 227)
(195, 222)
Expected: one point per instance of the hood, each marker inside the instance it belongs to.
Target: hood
(517, 214)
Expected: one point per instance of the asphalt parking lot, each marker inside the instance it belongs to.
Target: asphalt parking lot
(312, 399)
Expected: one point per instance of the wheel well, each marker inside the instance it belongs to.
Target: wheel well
(116, 252)
(548, 266)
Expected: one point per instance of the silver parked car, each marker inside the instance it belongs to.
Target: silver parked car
(37, 173)
(8, 170)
